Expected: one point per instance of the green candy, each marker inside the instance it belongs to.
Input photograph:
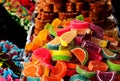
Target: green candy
(49, 27)
(85, 73)
(80, 17)
(61, 57)
(113, 66)
(33, 78)
(77, 77)
(53, 46)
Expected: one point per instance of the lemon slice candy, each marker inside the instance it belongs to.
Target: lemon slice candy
(67, 37)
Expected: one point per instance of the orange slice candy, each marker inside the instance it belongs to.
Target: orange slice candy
(59, 70)
(97, 65)
(81, 54)
(33, 70)
(51, 78)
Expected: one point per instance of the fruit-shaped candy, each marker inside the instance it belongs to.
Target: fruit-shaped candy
(54, 44)
(77, 77)
(81, 54)
(91, 45)
(64, 55)
(79, 24)
(114, 65)
(67, 37)
(59, 70)
(105, 76)
(108, 54)
(97, 65)
(84, 71)
(33, 78)
(61, 31)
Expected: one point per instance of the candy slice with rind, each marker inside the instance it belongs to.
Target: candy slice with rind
(54, 44)
(91, 45)
(51, 78)
(83, 31)
(64, 55)
(61, 52)
(67, 37)
(81, 54)
(112, 40)
(105, 76)
(97, 31)
(113, 48)
(108, 54)
(114, 65)
(33, 78)
(84, 71)
(59, 70)
(94, 55)
(77, 77)
(100, 42)
(95, 65)
(61, 31)
(79, 24)
(61, 57)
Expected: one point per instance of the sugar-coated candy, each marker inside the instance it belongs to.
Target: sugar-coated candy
(74, 53)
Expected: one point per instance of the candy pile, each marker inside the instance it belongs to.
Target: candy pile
(72, 50)
(19, 13)
(10, 61)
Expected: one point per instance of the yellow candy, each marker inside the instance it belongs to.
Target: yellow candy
(56, 22)
(67, 37)
(61, 52)
(100, 42)
(1, 64)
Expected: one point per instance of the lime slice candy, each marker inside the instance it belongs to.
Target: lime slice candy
(84, 72)
(114, 65)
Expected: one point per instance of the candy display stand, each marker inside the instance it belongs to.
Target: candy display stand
(15, 21)
(71, 49)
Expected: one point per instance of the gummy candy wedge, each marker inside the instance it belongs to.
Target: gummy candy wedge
(84, 71)
(108, 54)
(105, 76)
(78, 77)
(95, 65)
(33, 70)
(78, 24)
(51, 78)
(81, 54)
(94, 55)
(59, 70)
(67, 37)
(61, 31)
(114, 65)
(64, 55)
(54, 44)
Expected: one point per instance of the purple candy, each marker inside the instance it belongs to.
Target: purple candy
(91, 45)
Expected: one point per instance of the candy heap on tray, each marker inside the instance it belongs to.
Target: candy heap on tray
(72, 50)
(96, 10)
(10, 61)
